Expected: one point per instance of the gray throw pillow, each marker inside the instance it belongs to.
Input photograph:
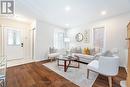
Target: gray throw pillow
(92, 51)
(107, 54)
(52, 50)
(76, 50)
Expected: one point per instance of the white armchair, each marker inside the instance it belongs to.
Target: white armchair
(107, 66)
(3, 66)
(52, 53)
(53, 56)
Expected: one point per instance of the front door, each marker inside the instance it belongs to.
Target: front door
(13, 43)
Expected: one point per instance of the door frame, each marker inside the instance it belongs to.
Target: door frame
(33, 35)
(3, 43)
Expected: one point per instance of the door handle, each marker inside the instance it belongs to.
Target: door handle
(21, 44)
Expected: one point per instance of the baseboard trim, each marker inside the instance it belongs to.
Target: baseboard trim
(18, 62)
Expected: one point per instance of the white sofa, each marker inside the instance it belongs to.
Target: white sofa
(52, 54)
(88, 58)
(94, 53)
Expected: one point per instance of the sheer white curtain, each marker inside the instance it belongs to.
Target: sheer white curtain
(98, 37)
(59, 40)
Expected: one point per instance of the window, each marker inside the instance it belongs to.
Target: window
(14, 37)
(98, 37)
(59, 40)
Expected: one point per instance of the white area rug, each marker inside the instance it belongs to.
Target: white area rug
(76, 75)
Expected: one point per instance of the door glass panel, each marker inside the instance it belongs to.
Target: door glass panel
(10, 37)
(14, 37)
(59, 40)
(17, 38)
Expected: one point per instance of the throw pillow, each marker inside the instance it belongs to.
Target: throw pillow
(92, 51)
(86, 51)
(52, 50)
(76, 50)
(107, 54)
(73, 50)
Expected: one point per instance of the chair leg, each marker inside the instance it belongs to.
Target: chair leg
(51, 59)
(2, 83)
(110, 81)
(87, 73)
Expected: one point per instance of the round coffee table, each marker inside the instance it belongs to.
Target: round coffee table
(67, 61)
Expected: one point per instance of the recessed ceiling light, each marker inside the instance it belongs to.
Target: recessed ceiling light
(67, 8)
(103, 13)
(67, 25)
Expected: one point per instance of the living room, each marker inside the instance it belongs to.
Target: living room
(65, 44)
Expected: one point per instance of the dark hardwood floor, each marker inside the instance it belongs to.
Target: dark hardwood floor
(36, 75)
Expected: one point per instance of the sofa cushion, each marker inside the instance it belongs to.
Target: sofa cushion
(84, 56)
(53, 55)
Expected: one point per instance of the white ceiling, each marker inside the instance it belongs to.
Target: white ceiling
(81, 12)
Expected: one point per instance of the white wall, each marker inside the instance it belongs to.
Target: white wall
(116, 32)
(44, 39)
